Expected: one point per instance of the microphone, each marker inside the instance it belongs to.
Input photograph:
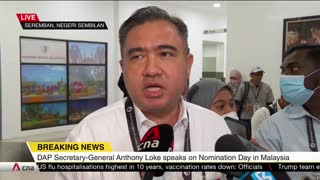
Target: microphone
(158, 138)
(235, 143)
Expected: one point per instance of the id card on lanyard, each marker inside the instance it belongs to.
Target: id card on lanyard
(135, 137)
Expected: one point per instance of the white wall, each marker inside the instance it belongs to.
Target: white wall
(255, 32)
(47, 11)
(196, 20)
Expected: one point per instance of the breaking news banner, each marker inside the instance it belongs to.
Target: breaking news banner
(31, 21)
(98, 156)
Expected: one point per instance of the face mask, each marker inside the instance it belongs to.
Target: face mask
(232, 115)
(293, 89)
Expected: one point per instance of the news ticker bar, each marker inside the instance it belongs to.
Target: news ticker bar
(110, 167)
(64, 25)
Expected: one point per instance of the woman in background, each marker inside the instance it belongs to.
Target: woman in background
(215, 95)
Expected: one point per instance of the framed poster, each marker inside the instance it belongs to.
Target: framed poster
(43, 83)
(41, 115)
(87, 53)
(79, 109)
(87, 82)
(301, 30)
(62, 81)
(37, 50)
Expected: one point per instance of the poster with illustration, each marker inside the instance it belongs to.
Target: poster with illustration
(86, 82)
(42, 115)
(81, 108)
(301, 30)
(43, 83)
(87, 53)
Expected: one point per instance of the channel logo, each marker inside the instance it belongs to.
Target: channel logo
(16, 167)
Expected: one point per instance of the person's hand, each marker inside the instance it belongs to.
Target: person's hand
(254, 141)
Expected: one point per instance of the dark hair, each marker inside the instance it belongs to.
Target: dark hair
(151, 13)
(312, 52)
(122, 86)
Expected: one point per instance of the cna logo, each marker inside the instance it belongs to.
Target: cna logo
(31, 21)
(23, 167)
(15, 167)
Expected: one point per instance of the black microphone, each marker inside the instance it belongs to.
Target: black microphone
(235, 143)
(158, 138)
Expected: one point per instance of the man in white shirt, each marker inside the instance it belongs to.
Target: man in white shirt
(156, 64)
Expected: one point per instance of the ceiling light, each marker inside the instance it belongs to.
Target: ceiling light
(216, 5)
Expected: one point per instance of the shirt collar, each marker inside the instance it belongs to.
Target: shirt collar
(296, 112)
(182, 119)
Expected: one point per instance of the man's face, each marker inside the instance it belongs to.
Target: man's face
(256, 77)
(155, 66)
(234, 80)
(297, 63)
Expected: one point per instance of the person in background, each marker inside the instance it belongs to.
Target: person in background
(297, 127)
(215, 95)
(263, 113)
(253, 95)
(156, 64)
(235, 81)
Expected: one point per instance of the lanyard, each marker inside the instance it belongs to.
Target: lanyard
(311, 135)
(135, 137)
(253, 92)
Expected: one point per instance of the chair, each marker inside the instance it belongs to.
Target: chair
(239, 127)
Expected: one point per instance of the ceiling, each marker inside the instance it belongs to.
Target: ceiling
(204, 6)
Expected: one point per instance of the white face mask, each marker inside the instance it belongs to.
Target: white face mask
(232, 115)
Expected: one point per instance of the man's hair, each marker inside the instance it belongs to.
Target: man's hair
(152, 13)
(312, 52)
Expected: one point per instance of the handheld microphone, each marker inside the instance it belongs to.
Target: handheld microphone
(157, 138)
(235, 143)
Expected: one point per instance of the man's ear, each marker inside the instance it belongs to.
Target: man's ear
(189, 64)
(121, 64)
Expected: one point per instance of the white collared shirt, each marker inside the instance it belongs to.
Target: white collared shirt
(179, 129)
(109, 124)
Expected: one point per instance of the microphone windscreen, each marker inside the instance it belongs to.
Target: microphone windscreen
(157, 138)
(229, 143)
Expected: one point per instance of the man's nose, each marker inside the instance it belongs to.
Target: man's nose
(152, 66)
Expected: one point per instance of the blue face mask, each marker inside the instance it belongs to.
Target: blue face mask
(293, 89)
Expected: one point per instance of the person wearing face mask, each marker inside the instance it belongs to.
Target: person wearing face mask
(235, 81)
(297, 127)
(215, 95)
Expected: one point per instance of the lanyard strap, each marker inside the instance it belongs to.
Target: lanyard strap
(135, 137)
(132, 124)
(253, 91)
(311, 135)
